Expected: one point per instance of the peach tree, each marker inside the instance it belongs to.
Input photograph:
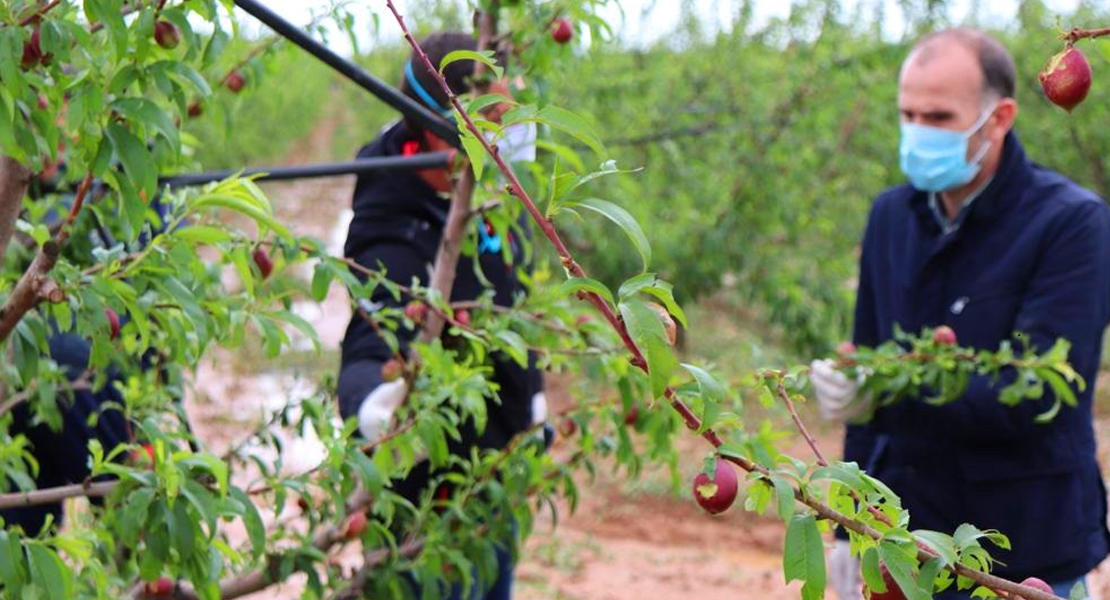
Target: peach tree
(93, 99)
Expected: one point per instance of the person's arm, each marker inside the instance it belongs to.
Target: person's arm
(1068, 297)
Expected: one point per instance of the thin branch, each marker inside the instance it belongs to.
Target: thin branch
(1077, 34)
(785, 395)
(14, 178)
(83, 382)
(89, 489)
(32, 287)
(35, 16)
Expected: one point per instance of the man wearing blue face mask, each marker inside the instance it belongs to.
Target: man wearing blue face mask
(985, 241)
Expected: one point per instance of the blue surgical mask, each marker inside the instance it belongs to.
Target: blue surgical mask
(935, 159)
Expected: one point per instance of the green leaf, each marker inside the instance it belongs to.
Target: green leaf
(901, 567)
(803, 557)
(256, 531)
(784, 497)
(49, 572)
(321, 281)
(623, 219)
(712, 393)
(485, 57)
(651, 284)
(570, 123)
(871, 572)
(942, 544)
(514, 346)
(475, 151)
(147, 113)
(645, 328)
(585, 284)
(137, 161)
(11, 560)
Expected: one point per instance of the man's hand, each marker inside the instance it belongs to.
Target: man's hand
(837, 396)
(376, 411)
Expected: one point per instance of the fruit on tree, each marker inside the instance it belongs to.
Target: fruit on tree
(263, 261)
(1035, 583)
(160, 588)
(416, 311)
(462, 317)
(1066, 78)
(632, 416)
(846, 348)
(356, 524)
(716, 495)
(944, 335)
(567, 427)
(893, 592)
(561, 31)
(194, 110)
(392, 370)
(166, 34)
(113, 323)
(302, 503)
(235, 81)
(668, 322)
(143, 455)
(32, 51)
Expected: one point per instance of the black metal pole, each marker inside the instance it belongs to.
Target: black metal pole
(388, 94)
(355, 167)
(431, 160)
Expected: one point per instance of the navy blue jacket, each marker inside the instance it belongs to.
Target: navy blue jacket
(398, 223)
(1032, 256)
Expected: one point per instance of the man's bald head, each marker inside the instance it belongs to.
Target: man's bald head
(999, 75)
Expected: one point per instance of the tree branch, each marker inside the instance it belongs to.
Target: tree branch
(1077, 34)
(35, 285)
(14, 178)
(88, 489)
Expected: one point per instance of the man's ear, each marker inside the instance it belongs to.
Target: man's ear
(1006, 113)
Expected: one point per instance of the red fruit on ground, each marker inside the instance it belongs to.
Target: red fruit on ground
(263, 261)
(562, 31)
(1066, 78)
(113, 323)
(167, 35)
(718, 494)
(944, 335)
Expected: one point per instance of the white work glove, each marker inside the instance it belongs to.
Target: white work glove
(844, 576)
(539, 408)
(539, 413)
(837, 396)
(517, 142)
(377, 409)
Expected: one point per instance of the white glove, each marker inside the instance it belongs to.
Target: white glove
(844, 575)
(377, 409)
(539, 408)
(837, 396)
(517, 142)
(539, 413)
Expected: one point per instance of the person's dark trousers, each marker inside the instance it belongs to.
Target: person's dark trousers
(63, 455)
